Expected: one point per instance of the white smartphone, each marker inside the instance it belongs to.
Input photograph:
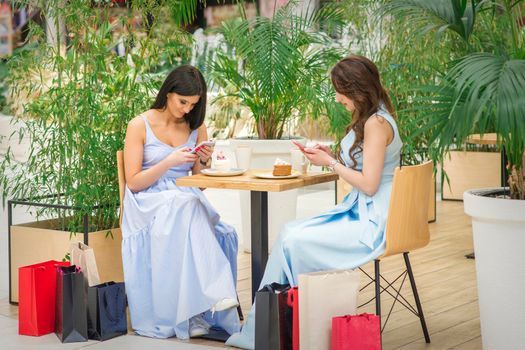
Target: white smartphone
(209, 143)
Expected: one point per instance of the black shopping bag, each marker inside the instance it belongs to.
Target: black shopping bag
(107, 311)
(273, 318)
(71, 307)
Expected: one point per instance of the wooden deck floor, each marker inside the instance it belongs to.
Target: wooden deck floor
(446, 283)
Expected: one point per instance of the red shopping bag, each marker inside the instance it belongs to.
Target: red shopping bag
(293, 302)
(36, 298)
(360, 332)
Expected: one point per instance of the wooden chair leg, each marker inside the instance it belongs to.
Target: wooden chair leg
(416, 297)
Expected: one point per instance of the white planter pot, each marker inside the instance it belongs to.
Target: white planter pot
(499, 241)
(19, 148)
(282, 206)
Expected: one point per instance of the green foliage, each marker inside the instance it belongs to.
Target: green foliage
(486, 86)
(277, 66)
(79, 97)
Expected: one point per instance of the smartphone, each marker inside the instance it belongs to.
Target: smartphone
(209, 143)
(300, 146)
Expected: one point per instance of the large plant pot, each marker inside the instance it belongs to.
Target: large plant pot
(282, 206)
(34, 242)
(498, 227)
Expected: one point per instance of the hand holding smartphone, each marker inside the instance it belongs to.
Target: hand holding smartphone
(300, 146)
(209, 143)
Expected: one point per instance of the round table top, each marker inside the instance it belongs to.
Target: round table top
(487, 139)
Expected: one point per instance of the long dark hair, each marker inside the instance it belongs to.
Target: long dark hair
(185, 80)
(357, 78)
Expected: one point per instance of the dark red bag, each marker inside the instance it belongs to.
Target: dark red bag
(36, 298)
(293, 302)
(360, 332)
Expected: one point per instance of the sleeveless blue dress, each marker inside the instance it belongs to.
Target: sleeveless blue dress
(346, 237)
(179, 259)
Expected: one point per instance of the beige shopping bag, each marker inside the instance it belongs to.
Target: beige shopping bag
(84, 256)
(323, 295)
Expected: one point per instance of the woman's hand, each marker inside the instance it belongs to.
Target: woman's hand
(317, 156)
(205, 153)
(181, 156)
(325, 149)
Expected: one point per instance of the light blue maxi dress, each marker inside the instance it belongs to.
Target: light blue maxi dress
(179, 259)
(346, 237)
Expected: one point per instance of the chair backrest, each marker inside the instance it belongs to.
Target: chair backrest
(121, 181)
(407, 223)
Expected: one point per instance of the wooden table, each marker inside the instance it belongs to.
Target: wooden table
(259, 189)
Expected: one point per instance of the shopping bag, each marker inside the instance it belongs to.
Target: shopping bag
(360, 332)
(36, 298)
(106, 311)
(71, 307)
(83, 256)
(323, 295)
(273, 319)
(293, 302)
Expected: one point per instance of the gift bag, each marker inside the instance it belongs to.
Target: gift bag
(273, 319)
(71, 307)
(106, 311)
(36, 298)
(323, 295)
(361, 332)
(293, 302)
(83, 256)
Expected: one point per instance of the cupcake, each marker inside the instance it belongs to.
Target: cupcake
(221, 162)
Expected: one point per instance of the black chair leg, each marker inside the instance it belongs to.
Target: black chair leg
(239, 310)
(416, 297)
(378, 287)
(378, 297)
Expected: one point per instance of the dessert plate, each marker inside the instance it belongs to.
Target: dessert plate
(216, 172)
(268, 175)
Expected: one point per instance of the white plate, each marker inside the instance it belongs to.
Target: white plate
(269, 175)
(215, 172)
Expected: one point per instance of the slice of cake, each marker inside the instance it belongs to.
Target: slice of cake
(281, 168)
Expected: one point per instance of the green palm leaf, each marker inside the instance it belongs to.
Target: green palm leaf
(456, 15)
(480, 90)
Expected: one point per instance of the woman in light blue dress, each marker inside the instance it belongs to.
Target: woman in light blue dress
(180, 260)
(351, 234)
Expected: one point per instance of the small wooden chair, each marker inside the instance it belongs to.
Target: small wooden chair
(406, 230)
(122, 189)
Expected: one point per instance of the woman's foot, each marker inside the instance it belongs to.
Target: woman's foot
(224, 304)
(198, 326)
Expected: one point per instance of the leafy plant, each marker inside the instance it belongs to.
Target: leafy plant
(79, 97)
(279, 65)
(486, 86)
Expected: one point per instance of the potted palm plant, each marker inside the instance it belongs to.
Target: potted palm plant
(277, 68)
(78, 99)
(485, 86)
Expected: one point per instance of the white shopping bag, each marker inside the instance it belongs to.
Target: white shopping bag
(84, 256)
(323, 295)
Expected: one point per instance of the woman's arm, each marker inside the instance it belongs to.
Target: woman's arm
(378, 134)
(136, 178)
(205, 153)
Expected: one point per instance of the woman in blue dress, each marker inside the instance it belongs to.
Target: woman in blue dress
(351, 234)
(180, 260)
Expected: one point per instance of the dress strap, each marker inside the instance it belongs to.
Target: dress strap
(193, 136)
(149, 132)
